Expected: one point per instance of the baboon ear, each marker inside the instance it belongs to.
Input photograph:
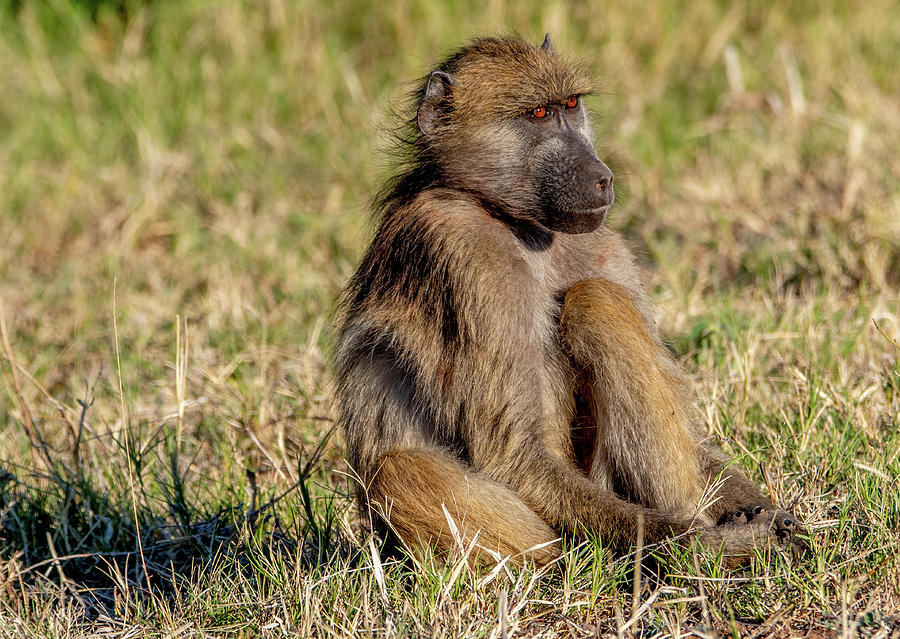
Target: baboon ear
(437, 89)
(547, 46)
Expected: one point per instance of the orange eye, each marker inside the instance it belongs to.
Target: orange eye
(572, 102)
(539, 112)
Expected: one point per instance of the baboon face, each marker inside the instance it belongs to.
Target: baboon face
(573, 188)
(506, 122)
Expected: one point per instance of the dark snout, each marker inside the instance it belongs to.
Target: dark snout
(601, 177)
(576, 190)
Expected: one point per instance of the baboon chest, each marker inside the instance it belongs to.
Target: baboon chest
(570, 428)
(556, 374)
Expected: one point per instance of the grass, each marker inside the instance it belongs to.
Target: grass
(184, 192)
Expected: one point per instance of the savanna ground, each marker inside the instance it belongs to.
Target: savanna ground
(183, 191)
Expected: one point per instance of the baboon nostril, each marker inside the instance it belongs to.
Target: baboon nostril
(757, 510)
(602, 184)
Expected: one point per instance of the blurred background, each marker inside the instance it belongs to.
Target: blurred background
(185, 187)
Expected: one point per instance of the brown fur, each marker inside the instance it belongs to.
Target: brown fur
(507, 373)
(642, 422)
(502, 78)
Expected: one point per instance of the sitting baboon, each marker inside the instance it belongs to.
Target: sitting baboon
(498, 356)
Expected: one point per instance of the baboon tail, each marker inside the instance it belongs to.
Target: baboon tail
(412, 489)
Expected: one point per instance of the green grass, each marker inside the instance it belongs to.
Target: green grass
(209, 165)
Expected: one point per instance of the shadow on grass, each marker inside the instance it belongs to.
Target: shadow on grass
(62, 533)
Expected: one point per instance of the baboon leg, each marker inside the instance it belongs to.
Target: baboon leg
(631, 399)
(411, 486)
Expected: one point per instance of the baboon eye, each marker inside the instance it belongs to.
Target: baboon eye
(572, 102)
(539, 112)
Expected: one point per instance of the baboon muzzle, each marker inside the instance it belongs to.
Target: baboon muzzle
(576, 190)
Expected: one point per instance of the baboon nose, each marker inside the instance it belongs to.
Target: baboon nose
(602, 175)
(603, 183)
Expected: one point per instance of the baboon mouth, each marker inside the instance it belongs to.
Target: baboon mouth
(599, 211)
(578, 221)
(580, 209)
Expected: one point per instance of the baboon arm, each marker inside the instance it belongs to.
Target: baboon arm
(570, 502)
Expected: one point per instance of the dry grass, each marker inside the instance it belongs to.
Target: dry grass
(203, 169)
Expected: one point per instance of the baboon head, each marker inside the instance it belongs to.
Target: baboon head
(504, 120)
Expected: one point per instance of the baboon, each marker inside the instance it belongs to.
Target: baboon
(498, 360)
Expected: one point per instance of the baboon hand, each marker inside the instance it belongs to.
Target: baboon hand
(780, 523)
(753, 526)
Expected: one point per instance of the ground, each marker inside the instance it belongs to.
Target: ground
(184, 190)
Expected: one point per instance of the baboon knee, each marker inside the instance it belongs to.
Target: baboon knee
(601, 314)
(415, 491)
(406, 472)
(405, 485)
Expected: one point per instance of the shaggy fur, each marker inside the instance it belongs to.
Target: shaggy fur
(506, 374)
